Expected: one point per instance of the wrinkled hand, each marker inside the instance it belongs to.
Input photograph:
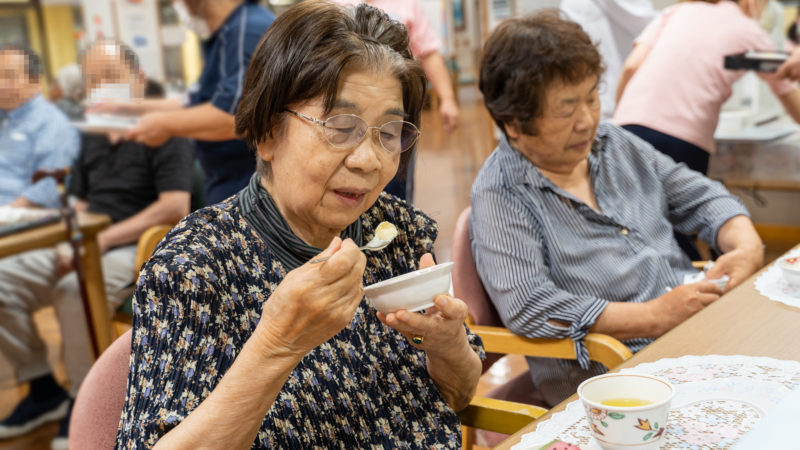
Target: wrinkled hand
(791, 67)
(738, 264)
(315, 301)
(442, 325)
(151, 130)
(682, 302)
(448, 110)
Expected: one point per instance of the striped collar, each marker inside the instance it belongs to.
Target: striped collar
(520, 170)
(260, 211)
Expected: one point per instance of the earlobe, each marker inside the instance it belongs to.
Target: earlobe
(512, 130)
(266, 149)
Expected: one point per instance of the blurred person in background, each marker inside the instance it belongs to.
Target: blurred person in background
(138, 187)
(66, 91)
(791, 68)
(424, 45)
(34, 134)
(613, 25)
(230, 30)
(673, 84)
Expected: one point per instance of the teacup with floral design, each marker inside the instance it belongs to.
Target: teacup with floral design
(627, 410)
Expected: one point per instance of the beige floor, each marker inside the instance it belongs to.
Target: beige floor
(446, 167)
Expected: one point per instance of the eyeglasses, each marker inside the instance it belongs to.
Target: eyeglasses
(345, 131)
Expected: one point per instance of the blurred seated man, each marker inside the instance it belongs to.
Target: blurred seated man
(34, 134)
(138, 187)
(572, 222)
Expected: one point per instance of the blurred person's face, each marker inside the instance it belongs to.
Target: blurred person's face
(566, 129)
(104, 65)
(16, 87)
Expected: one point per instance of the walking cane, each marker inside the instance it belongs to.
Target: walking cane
(75, 237)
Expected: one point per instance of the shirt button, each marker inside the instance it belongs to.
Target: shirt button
(624, 231)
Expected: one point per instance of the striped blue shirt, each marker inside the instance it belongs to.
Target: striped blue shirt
(36, 135)
(543, 254)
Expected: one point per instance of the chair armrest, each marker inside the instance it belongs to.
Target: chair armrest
(602, 348)
(500, 416)
(147, 244)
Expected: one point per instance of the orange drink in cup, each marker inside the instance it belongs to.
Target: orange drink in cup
(627, 410)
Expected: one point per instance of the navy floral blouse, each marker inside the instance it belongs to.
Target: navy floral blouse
(197, 302)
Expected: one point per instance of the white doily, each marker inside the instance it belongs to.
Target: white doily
(718, 399)
(772, 285)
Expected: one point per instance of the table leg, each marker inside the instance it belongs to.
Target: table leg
(95, 288)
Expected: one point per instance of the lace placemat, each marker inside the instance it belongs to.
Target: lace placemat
(772, 285)
(717, 400)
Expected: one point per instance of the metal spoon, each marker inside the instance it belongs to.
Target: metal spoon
(384, 234)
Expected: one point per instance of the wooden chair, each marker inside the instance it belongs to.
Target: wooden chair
(98, 405)
(144, 248)
(147, 244)
(493, 414)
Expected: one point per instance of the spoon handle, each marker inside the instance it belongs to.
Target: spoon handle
(319, 260)
(325, 258)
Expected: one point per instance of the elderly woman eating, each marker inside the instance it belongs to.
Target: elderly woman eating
(239, 339)
(572, 220)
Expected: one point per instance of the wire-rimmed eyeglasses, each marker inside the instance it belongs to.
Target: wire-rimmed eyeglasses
(345, 131)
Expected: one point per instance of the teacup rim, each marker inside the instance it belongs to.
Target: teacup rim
(649, 406)
(784, 264)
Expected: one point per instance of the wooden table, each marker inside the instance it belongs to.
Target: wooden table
(50, 235)
(742, 322)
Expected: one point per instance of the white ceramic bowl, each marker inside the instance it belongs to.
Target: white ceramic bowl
(627, 427)
(791, 269)
(412, 291)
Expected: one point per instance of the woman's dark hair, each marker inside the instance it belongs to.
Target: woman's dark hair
(523, 57)
(33, 65)
(303, 55)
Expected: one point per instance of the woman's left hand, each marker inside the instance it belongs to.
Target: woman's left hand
(738, 264)
(441, 327)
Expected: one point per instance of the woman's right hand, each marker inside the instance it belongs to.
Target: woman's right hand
(314, 301)
(682, 302)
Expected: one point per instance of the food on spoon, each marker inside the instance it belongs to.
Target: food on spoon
(385, 231)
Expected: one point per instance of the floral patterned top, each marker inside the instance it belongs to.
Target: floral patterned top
(199, 299)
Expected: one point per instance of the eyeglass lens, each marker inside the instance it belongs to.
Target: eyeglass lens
(346, 130)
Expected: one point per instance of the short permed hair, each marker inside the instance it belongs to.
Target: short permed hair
(303, 55)
(523, 57)
(33, 64)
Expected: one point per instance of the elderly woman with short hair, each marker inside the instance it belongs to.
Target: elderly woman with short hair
(572, 219)
(239, 340)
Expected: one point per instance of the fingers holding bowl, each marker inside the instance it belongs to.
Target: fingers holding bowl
(440, 327)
